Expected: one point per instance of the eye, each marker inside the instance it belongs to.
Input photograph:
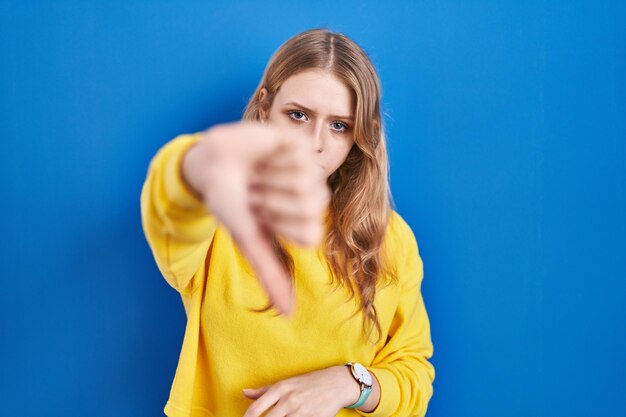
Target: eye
(340, 126)
(297, 115)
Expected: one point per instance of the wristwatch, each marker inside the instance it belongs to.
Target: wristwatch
(364, 378)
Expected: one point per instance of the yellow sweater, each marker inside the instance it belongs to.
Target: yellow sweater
(227, 347)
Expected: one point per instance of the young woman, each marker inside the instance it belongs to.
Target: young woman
(289, 211)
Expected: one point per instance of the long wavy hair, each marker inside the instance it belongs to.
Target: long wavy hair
(361, 201)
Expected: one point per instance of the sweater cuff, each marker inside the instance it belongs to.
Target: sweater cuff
(177, 190)
(389, 394)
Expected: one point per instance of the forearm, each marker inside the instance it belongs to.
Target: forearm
(175, 222)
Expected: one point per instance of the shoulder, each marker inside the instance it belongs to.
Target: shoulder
(402, 251)
(399, 234)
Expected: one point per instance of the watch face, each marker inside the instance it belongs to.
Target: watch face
(362, 374)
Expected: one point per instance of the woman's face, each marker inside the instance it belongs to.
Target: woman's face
(319, 106)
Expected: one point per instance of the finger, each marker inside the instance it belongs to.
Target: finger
(263, 403)
(274, 205)
(285, 206)
(286, 180)
(305, 167)
(282, 158)
(254, 393)
(280, 409)
(295, 152)
(304, 233)
(257, 249)
(267, 140)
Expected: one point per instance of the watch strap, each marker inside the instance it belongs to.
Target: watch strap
(365, 393)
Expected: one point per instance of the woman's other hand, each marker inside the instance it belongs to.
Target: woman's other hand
(258, 181)
(319, 393)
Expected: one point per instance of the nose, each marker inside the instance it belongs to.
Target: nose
(318, 137)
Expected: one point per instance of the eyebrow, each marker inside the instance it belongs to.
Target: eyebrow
(293, 103)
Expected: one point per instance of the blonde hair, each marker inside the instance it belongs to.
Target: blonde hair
(361, 201)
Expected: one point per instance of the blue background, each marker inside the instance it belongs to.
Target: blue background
(507, 135)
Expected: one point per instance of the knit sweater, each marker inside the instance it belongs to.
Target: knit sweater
(228, 347)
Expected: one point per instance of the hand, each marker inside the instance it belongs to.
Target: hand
(320, 393)
(288, 194)
(257, 181)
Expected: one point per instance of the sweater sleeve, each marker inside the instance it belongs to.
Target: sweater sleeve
(177, 226)
(402, 368)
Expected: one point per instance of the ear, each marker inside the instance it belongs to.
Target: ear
(262, 108)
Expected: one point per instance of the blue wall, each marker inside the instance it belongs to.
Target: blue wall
(507, 138)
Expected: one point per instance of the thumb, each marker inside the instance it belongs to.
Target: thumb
(254, 393)
(256, 246)
(227, 198)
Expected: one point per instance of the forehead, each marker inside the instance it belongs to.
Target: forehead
(318, 90)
